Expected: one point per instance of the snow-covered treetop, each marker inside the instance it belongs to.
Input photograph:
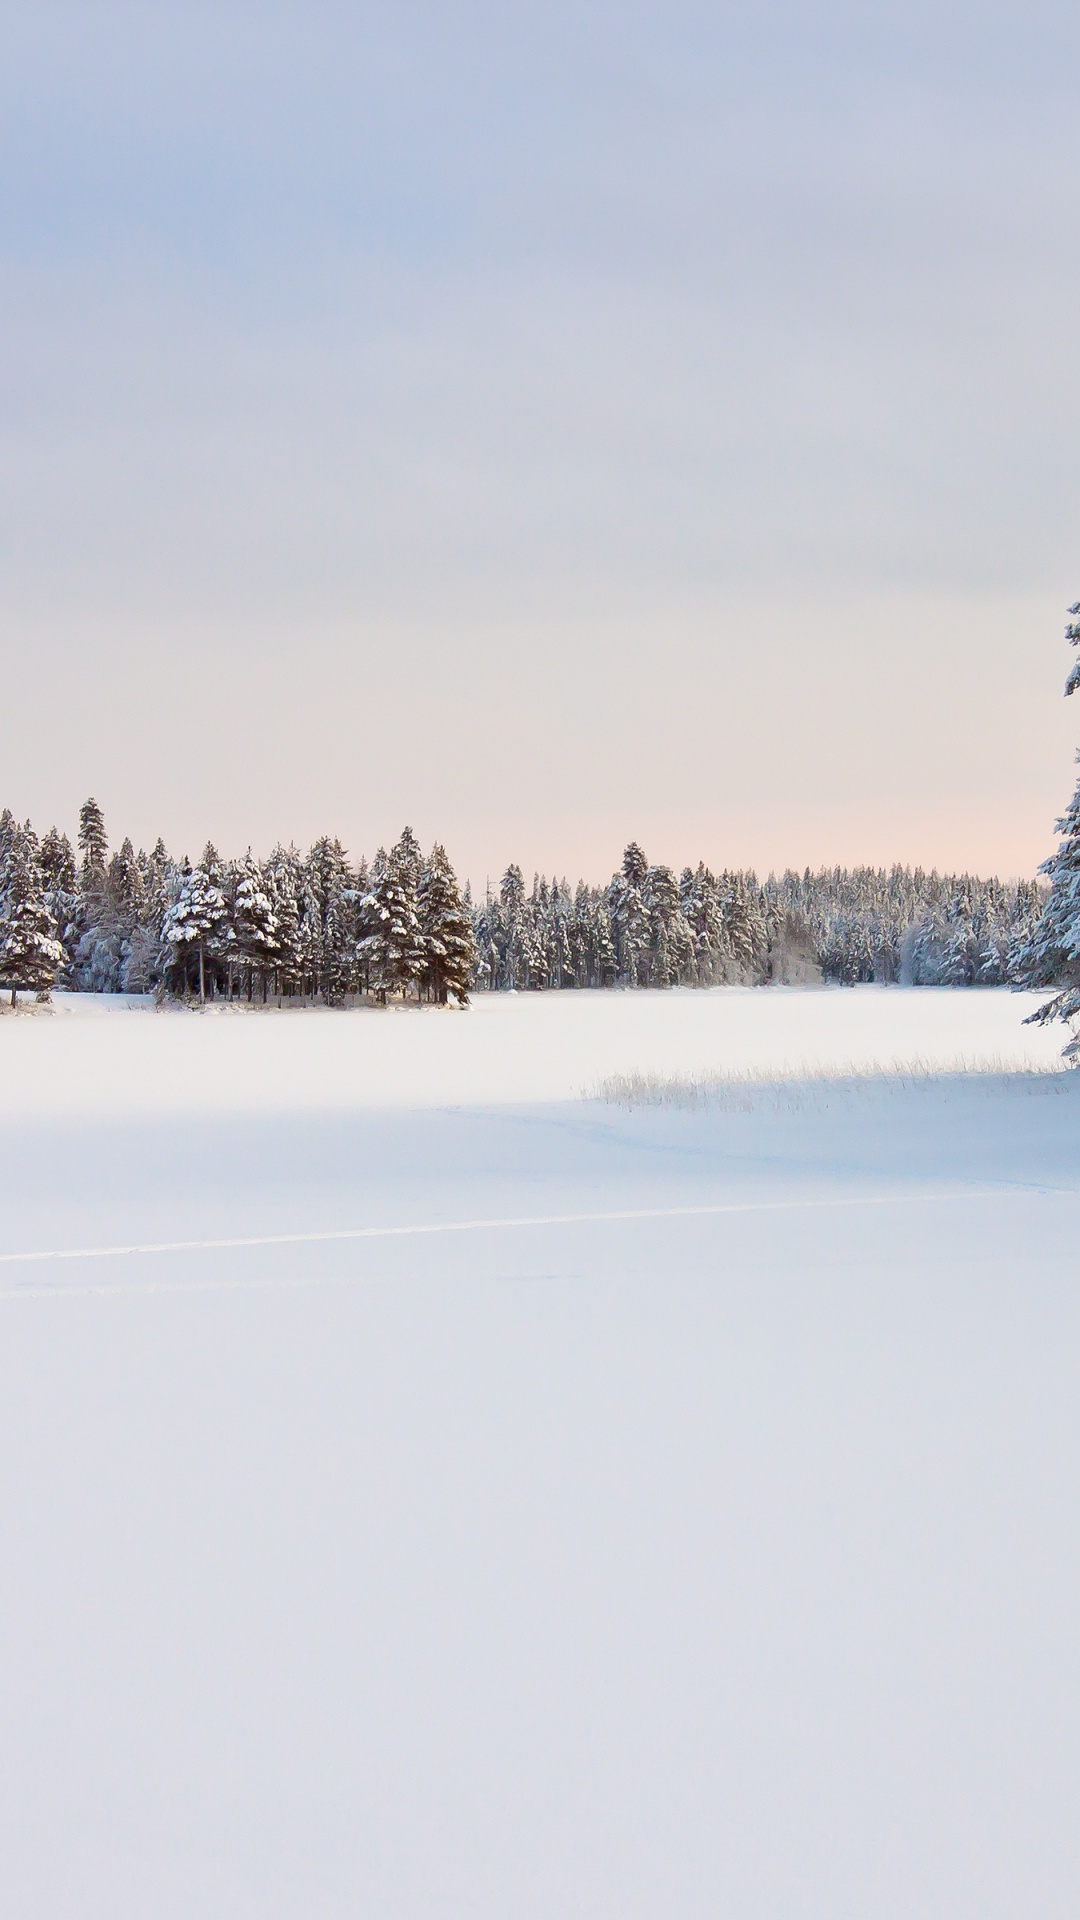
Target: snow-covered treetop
(1072, 635)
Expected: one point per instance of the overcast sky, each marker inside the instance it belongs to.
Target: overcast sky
(544, 423)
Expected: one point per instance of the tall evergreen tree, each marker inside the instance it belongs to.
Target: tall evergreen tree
(447, 945)
(57, 863)
(284, 873)
(629, 919)
(409, 858)
(93, 842)
(1052, 958)
(30, 953)
(254, 925)
(126, 890)
(197, 929)
(390, 947)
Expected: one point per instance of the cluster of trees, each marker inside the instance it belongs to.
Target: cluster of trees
(290, 925)
(648, 928)
(313, 925)
(925, 929)
(645, 929)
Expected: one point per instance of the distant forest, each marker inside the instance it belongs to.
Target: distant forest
(313, 925)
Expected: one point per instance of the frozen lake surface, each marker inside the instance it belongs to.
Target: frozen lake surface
(506, 1048)
(685, 1525)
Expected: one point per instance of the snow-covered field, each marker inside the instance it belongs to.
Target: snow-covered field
(506, 1048)
(539, 1506)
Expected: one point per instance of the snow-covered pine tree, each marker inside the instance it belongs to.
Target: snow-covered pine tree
(97, 939)
(254, 926)
(93, 843)
(560, 950)
(605, 963)
(313, 896)
(365, 916)
(446, 935)
(197, 929)
(629, 919)
(1072, 635)
(1051, 957)
(311, 946)
(126, 890)
(339, 944)
(284, 873)
(485, 924)
(327, 929)
(669, 956)
(390, 949)
(30, 953)
(507, 923)
(409, 857)
(144, 955)
(57, 862)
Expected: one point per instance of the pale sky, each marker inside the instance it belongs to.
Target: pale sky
(543, 423)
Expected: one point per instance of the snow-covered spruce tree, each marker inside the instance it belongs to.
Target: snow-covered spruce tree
(485, 924)
(744, 926)
(509, 925)
(254, 927)
(670, 957)
(125, 893)
(560, 951)
(57, 862)
(144, 954)
(93, 841)
(96, 961)
(1052, 956)
(197, 930)
(365, 922)
(284, 874)
(604, 962)
(629, 919)
(311, 946)
(1016, 930)
(446, 935)
(327, 930)
(124, 882)
(390, 948)
(30, 953)
(701, 911)
(339, 943)
(409, 857)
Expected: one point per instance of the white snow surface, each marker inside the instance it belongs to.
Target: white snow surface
(505, 1048)
(502, 1503)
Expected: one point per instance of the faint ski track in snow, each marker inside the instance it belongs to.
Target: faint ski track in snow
(513, 1222)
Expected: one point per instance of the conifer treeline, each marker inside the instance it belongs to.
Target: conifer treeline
(312, 925)
(648, 928)
(294, 924)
